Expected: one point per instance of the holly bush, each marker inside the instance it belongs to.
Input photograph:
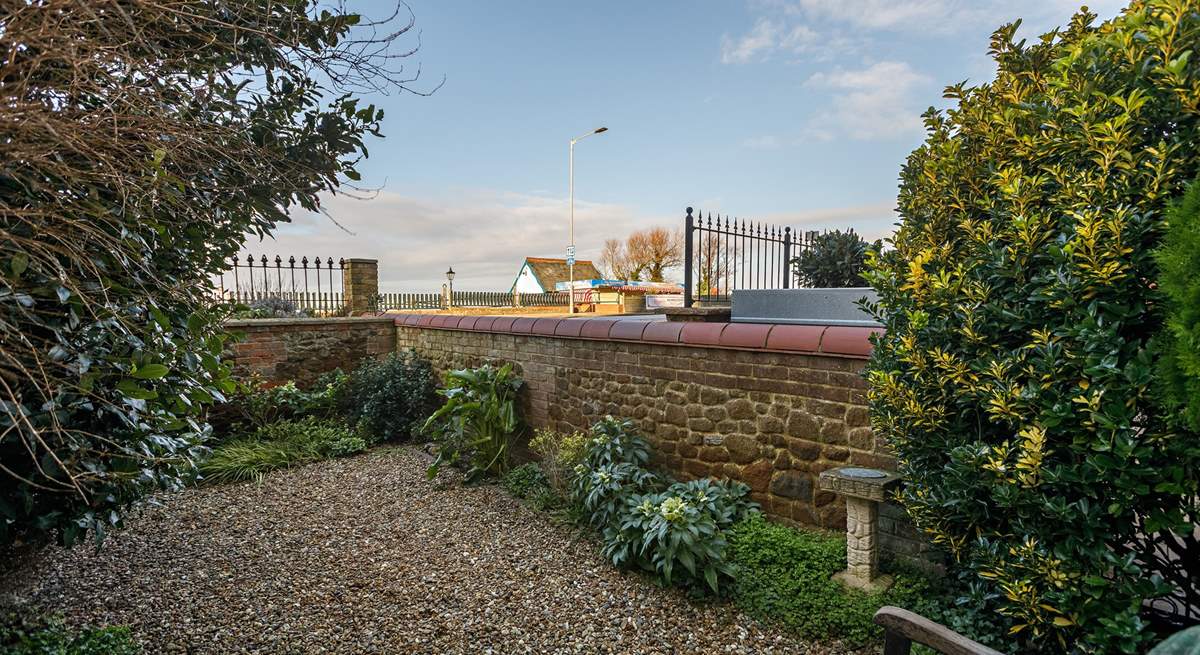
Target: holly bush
(1015, 377)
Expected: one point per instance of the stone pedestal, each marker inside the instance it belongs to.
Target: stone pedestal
(361, 285)
(863, 489)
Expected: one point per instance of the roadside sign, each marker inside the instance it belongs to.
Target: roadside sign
(570, 252)
(570, 261)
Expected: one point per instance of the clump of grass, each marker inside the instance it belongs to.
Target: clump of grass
(277, 446)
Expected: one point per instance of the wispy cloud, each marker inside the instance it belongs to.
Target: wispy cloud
(934, 16)
(770, 37)
(876, 102)
(759, 41)
(483, 235)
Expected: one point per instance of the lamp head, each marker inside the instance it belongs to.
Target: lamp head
(450, 274)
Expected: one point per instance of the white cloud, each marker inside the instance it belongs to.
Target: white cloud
(941, 16)
(760, 41)
(870, 103)
(885, 14)
(769, 37)
(483, 235)
(823, 29)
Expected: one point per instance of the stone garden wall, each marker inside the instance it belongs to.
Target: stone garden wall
(771, 405)
(301, 349)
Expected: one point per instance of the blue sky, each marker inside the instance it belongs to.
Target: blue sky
(798, 112)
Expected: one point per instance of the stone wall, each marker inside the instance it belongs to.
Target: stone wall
(301, 349)
(771, 405)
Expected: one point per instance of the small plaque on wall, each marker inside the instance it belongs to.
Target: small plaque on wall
(714, 440)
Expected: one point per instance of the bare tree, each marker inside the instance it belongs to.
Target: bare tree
(715, 264)
(616, 262)
(655, 250)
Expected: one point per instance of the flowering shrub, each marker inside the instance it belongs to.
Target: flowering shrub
(613, 469)
(675, 533)
(678, 534)
(1015, 378)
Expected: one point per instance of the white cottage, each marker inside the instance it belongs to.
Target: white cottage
(540, 274)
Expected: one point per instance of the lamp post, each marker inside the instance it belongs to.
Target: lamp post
(450, 278)
(571, 175)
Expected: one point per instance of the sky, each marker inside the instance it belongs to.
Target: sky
(794, 112)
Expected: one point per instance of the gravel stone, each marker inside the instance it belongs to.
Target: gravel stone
(365, 555)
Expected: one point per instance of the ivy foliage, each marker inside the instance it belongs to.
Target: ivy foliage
(1179, 280)
(143, 142)
(1015, 378)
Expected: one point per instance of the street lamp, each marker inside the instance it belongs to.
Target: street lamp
(571, 250)
(450, 277)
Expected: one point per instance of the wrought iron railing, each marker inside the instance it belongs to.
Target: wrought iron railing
(467, 299)
(313, 286)
(722, 254)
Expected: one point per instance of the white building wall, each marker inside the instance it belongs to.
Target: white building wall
(526, 282)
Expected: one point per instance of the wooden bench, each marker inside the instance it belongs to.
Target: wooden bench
(902, 627)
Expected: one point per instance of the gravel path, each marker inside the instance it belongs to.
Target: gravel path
(364, 555)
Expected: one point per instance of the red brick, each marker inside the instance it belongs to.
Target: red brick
(628, 329)
(841, 340)
(484, 323)
(708, 334)
(468, 322)
(795, 337)
(425, 320)
(503, 324)
(745, 335)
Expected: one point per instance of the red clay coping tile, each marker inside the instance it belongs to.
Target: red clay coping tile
(829, 340)
(841, 340)
(596, 328)
(523, 325)
(796, 337)
(745, 335)
(569, 327)
(663, 332)
(484, 324)
(545, 326)
(627, 330)
(702, 334)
